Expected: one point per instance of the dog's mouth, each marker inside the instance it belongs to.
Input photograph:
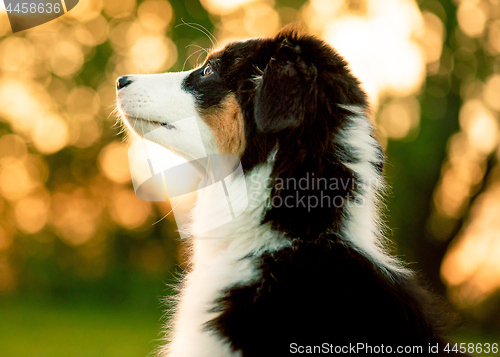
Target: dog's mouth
(168, 126)
(154, 122)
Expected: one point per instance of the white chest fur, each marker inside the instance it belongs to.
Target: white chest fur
(217, 265)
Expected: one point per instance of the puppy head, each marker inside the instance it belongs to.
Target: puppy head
(244, 99)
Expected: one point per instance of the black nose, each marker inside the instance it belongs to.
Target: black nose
(122, 82)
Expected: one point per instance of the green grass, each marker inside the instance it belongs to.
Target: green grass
(46, 330)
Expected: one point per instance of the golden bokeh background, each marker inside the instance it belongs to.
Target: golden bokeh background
(69, 218)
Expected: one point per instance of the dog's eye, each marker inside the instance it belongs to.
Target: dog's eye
(207, 70)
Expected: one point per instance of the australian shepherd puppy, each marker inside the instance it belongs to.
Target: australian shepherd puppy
(302, 269)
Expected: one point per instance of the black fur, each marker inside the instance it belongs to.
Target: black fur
(320, 290)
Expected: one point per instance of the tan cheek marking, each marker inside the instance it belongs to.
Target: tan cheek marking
(226, 123)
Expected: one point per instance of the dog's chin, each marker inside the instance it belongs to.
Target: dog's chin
(142, 127)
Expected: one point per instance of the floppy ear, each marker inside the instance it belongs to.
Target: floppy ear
(287, 90)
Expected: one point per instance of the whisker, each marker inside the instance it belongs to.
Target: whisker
(192, 54)
(198, 59)
(203, 30)
(161, 219)
(195, 45)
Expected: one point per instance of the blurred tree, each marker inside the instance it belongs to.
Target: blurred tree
(414, 167)
(70, 225)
